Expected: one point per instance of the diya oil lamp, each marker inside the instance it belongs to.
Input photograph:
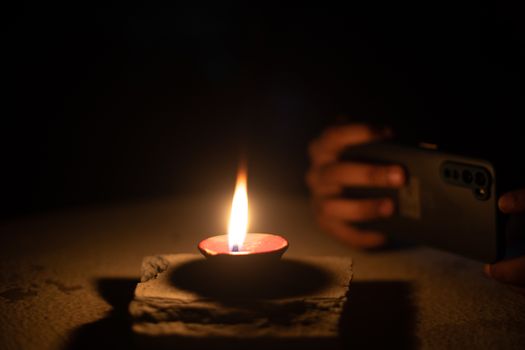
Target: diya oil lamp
(238, 245)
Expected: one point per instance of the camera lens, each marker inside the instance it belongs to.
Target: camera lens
(446, 173)
(467, 177)
(480, 179)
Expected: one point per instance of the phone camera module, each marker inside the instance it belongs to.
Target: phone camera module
(473, 178)
(467, 177)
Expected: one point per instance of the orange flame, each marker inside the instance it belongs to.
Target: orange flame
(238, 225)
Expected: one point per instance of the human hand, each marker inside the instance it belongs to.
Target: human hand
(328, 176)
(510, 271)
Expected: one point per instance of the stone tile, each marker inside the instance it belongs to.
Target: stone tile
(183, 296)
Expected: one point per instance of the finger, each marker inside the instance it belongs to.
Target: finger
(356, 210)
(336, 138)
(508, 271)
(325, 191)
(319, 159)
(333, 140)
(352, 236)
(362, 175)
(320, 156)
(319, 188)
(512, 202)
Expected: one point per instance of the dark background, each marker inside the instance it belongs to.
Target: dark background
(111, 104)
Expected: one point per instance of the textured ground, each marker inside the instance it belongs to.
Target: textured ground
(66, 278)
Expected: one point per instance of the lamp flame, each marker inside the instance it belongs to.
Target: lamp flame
(238, 224)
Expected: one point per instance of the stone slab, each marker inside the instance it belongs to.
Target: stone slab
(183, 296)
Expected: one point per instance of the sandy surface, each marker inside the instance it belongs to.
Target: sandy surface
(66, 277)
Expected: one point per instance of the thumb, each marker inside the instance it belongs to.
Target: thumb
(508, 271)
(512, 202)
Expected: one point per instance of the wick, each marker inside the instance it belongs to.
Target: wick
(235, 248)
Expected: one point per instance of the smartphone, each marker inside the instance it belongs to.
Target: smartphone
(449, 201)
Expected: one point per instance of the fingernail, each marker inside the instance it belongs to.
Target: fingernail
(506, 203)
(396, 177)
(386, 208)
(487, 270)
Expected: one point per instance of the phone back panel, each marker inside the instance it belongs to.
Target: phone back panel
(434, 207)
